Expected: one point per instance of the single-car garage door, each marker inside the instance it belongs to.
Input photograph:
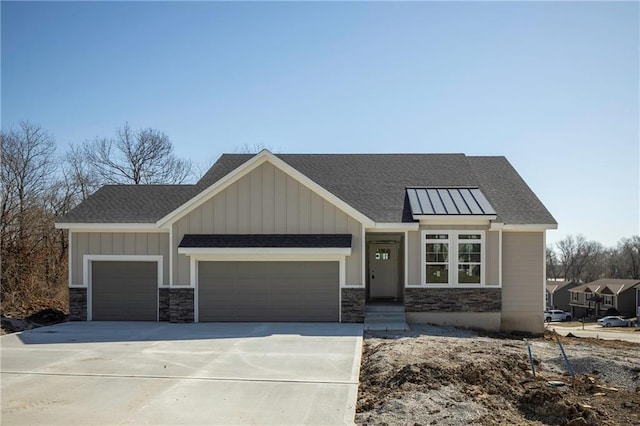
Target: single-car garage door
(124, 291)
(268, 291)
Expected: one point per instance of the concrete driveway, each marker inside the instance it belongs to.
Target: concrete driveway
(629, 334)
(112, 373)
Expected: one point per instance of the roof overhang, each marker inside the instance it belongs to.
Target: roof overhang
(455, 219)
(529, 227)
(110, 227)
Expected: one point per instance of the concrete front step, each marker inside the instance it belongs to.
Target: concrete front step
(385, 317)
(386, 326)
(384, 308)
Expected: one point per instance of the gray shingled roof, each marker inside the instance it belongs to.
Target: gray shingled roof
(130, 204)
(374, 184)
(267, 240)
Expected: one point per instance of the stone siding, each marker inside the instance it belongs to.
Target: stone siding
(453, 299)
(181, 305)
(164, 298)
(77, 304)
(353, 301)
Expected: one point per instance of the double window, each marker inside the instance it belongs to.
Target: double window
(453, 257)
(607, 299)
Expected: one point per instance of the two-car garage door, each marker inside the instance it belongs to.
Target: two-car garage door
(268, 291)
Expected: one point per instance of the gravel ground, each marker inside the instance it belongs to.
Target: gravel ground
(449, 376)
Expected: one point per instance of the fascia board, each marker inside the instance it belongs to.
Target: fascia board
(233, 176)
(110, 227)
(394, 226)
(533, 227)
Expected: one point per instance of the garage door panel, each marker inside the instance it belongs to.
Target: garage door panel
(124, 291)
(268, 291)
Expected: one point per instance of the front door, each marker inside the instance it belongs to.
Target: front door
(383, 270)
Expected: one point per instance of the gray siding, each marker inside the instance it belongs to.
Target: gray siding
(118, 243)
(523, 281)
(268, 201)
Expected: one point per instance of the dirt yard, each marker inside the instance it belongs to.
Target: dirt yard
(448, 376)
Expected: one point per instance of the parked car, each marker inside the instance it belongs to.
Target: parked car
(612, 321)
(556, 315)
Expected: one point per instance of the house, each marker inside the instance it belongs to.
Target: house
(557, 294)
(455, 239)
(596, 297)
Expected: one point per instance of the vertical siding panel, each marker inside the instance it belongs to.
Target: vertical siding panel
(341, 222)
(153, 243)
(106, 243)
(219, 214)
(81, 247)
(413, 257)
(195, 221)
(129, 243)
(163, 249)
(256, 201)
(491, 258)
(118, 243)
(354, 262)
(94, 243)
(329, 218)
(293, 206)
(141, 243)
(183, 261)
(280, 201)
(316, 213)
(207, 217)
(304, 206)
(244, 205)
(268, 198)
(231, 195)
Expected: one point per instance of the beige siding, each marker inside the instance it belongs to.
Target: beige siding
(268, 201)
(491, 251)
(117, 243)
(523, 281)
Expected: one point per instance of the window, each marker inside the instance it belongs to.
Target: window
(607, 299)
(383, 254)
(575, 297)
(461, 252)
(437, 258)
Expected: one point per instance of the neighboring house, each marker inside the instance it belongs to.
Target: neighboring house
(557, 294)
(638, 303)
(313, 237)
(596, 297)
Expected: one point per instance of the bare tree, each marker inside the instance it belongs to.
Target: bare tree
(28, 165)
(136, 157)
(629, 251)
(552, 263)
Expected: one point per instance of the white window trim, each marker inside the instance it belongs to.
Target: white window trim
(86, 273)
(453, 258)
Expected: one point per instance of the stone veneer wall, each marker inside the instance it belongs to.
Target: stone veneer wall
(77, 304)
(164, 298)
(453, 299)
(353, 301)
(181, 305)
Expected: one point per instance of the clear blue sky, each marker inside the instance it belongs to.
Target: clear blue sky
(552, 86)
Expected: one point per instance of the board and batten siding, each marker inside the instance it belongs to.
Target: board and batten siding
(118, 243)
(415, 263)
(522, 281)
(268, 201)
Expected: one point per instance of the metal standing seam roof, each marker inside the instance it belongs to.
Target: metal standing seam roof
(448, 201)
(266, 240)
